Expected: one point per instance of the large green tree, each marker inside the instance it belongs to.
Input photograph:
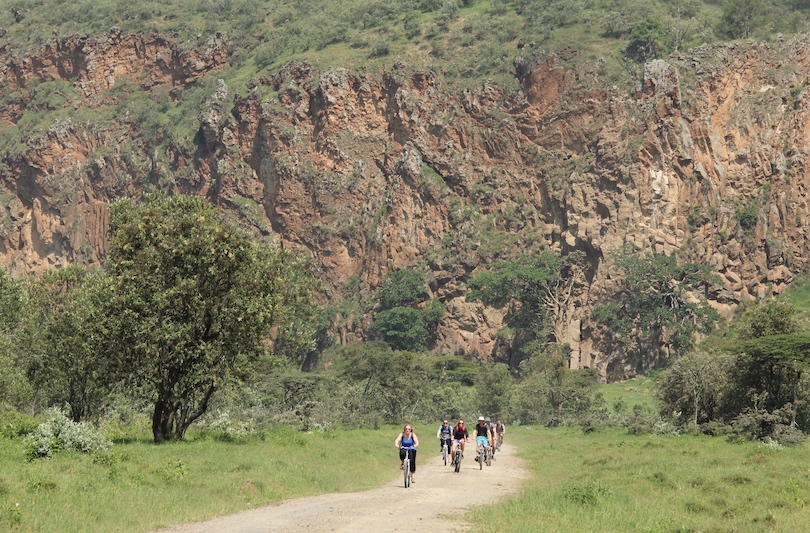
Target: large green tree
(404, 319)
(194, 300)
(536, 291)
(657, 308)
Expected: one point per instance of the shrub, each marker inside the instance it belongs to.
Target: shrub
(14, 424)
(60, 433)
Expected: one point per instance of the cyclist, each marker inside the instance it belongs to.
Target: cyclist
(445, 435)
(460, 436)
(493, 436)
(500, 429)
(407, 442)
(482, 434)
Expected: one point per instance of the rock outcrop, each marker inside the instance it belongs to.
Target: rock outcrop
(373, 172)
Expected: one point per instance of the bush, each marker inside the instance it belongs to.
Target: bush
(14, 424)
(61, 433)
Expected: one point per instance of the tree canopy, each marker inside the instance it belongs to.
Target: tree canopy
(194, 300)
(658, 303)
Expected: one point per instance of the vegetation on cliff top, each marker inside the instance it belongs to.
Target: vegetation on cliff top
(466, 41)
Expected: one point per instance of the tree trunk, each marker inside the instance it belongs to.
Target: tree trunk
(162, 421)
(157, 425)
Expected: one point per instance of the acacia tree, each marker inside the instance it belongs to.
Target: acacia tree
(194, 300)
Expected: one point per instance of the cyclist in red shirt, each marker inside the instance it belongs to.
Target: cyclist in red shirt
(460, 436)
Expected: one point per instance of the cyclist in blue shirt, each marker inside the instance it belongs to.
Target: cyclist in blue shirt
(407, 442)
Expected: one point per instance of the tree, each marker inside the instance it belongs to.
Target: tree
(493, 390)
(194, 300)
(536, 291)
(648, 40)
(401, 288)
(659, 306)
(14, 386)
(389, 380)
(404, 319)
(69, 366)
(692, 388)
(549, 391)
(741, 17)
(402, 328)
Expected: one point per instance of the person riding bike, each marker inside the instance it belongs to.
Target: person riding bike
(500, 429)
(482, 434)
(493, 436)
(445, 435)
(407, 442)
(460, 436)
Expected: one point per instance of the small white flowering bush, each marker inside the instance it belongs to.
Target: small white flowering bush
(61, 433)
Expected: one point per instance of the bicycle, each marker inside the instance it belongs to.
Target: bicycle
(500, 441)
(445, 452)
(489, 456)
(481, 457)
(457, 461)
(406, 465)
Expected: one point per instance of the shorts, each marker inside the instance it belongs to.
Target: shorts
(482, 441)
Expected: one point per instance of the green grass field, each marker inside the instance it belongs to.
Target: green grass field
(601, 481)
(612, 481)
(138, 486)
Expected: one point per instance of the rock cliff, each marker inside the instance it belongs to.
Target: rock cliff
(369, 172)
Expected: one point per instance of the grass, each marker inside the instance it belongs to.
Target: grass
(631, 392)
(601, 481)
(138, 486)
(611, 481)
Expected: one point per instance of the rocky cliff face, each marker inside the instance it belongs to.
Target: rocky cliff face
(369, 173)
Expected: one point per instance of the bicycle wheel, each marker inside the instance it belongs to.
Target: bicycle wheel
(407, 465)
(481, 459)
(489, 456)
(444, 454)
(457, 463)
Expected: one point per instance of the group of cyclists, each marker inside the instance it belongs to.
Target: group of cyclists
(486, 433)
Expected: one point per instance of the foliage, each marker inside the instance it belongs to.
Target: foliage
(691, 389)
(493, 390)
(14, 320)
(391, 382)
(14, 424)
(753, 382)
(404, 319)
(741, 17)
(528, 286)
(648, 40)
(193, 301)
(658, 303)
(550, 393)
(67, 368)
(401, 288)
(60, 433)
(402, 328)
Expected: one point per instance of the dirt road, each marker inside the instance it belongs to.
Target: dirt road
(437, 493)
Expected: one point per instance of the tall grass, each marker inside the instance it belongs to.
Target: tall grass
(139, 486)
(611, 481)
